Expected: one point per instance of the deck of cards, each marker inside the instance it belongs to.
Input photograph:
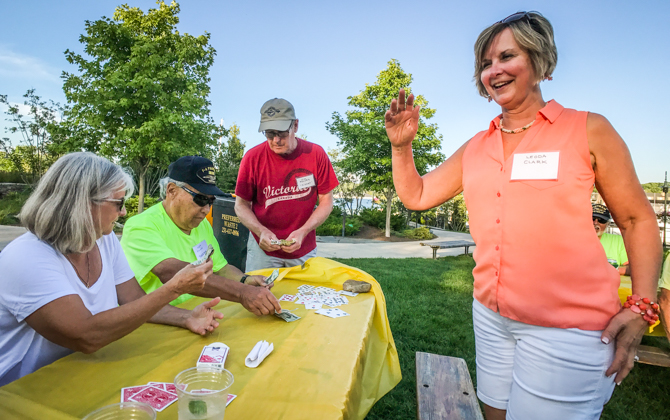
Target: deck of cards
(213, 356)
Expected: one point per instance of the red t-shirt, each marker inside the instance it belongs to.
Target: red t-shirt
(270, 182)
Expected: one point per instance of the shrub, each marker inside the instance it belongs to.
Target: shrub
(333, 226)
(133, 202)
(10, 206)
(418, 233)
(377, 218)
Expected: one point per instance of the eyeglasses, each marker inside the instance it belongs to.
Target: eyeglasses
(121, 202)
(516, 16)
(599, 220)
(200, 199)
(271, 134)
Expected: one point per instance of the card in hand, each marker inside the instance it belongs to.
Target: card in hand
(157, 398)
(287, 316)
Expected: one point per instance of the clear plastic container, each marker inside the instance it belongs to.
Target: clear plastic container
(203, 393)
(123, 411)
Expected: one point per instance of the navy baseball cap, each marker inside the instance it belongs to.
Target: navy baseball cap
(196, 171)
(601, 212)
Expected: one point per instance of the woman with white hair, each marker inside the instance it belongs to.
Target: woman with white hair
(66, 286)
(551, 337)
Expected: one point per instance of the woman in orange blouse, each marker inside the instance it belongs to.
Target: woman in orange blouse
(551, 336)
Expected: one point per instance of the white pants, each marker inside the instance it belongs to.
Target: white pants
(258, 259)
(539, 372)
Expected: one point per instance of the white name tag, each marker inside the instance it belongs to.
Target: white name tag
(200, 250)
(537, 165)
(305, 182)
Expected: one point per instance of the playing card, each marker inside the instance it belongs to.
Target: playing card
(332, 313)
(272, 277)
(336, 301)
(230, 399)
(287, 298)
(305, 288)
(313, 305)
(157, 398)
(165, 386)
(344, 292)
(128, 392)
(159, 385)
(324, 289)
(287, 316)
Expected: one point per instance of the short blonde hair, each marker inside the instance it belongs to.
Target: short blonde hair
(535, 36)
(58, 212)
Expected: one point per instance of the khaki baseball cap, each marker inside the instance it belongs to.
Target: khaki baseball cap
(276, 114)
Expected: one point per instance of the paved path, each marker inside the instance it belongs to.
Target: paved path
(338, 247)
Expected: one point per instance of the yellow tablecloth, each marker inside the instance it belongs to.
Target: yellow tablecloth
(321, 368)
(625, 290)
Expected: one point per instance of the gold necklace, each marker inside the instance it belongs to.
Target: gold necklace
(88, 269)
(516, 130)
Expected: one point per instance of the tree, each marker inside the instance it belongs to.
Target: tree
(36, 153)
(142, 95)
(228, 158)
(350, 190)
(363, 139)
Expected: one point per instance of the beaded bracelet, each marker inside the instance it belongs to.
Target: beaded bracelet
(643, 306)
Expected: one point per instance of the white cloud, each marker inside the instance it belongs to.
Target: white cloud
(16, 65)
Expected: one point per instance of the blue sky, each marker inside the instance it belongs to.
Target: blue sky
(614, 58)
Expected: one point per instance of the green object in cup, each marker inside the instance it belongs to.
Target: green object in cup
(199, 408)
(614, 263)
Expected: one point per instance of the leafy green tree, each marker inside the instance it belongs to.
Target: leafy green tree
(350, 190)
(142, 95)
(363, 139)
(36, 152)
(653, 187)
(228, 158)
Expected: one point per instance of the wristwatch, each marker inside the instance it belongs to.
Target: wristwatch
(244, 277)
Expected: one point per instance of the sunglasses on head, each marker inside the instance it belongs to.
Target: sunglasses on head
(200, 199)
(516, 16)
(120, 202)
(599, 220)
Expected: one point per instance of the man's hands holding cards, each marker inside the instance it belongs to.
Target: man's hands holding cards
(191, 278)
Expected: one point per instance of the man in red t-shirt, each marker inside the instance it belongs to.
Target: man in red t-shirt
(277, 188)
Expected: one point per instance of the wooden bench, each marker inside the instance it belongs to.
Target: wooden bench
(448, 244)
(444, 389)
(653, 356)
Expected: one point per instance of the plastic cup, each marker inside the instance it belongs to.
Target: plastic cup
(203, 393)
(129, 410)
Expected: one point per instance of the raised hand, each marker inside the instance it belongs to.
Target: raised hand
(402, 120)
(191, 278)
(203, 319)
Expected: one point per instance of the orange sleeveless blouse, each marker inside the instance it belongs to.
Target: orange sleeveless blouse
(538, 259)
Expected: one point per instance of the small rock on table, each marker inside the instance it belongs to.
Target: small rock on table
(356, 286)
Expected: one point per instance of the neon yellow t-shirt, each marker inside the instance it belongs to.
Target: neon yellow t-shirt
(614, 247)
(152, 237)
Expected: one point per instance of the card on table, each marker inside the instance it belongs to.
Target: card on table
(351, 294)
(287, 298)
(165, 386)
(313, 305)
(128, 392)
(213, 355)
(332, 313)
(230, 399)
(305, 288)
(157, 398)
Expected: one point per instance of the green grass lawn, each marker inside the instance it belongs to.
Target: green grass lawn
(10, 206)
(430, 310)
